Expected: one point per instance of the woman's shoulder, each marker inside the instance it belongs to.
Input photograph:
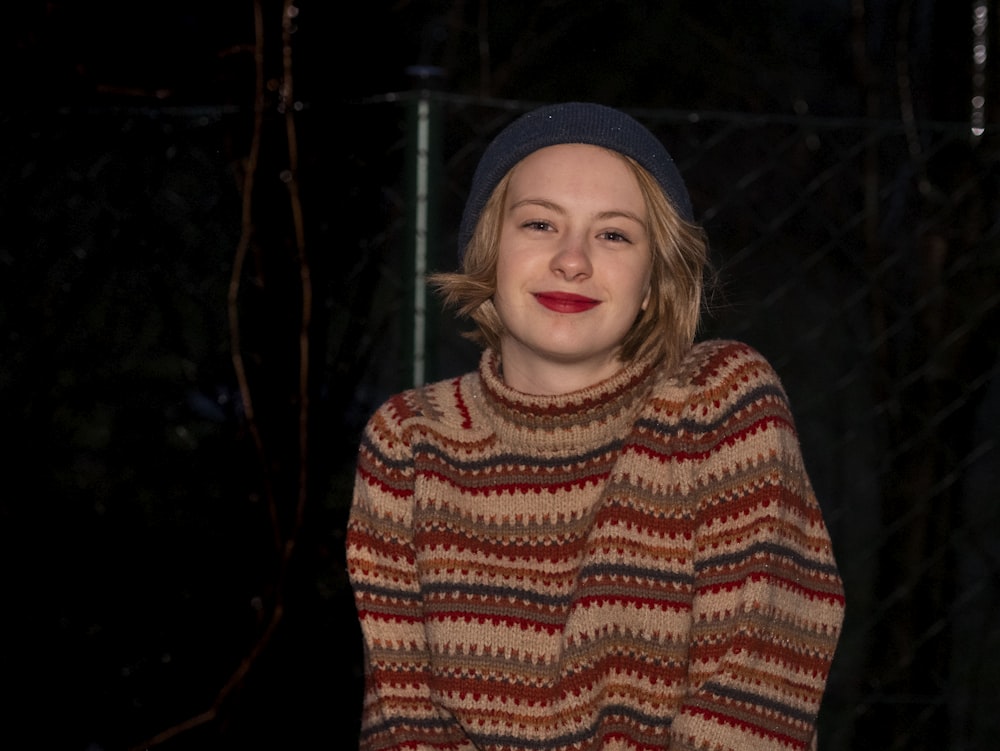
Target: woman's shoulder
(722, 385)
(438, 402)
(724, 366)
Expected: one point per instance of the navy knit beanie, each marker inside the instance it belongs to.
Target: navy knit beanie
(572, 122)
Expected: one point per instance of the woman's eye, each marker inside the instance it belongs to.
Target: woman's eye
(537, 224)
(615, 236)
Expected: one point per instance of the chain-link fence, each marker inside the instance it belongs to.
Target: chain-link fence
(862, 258)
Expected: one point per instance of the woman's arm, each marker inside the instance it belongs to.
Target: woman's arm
(398, 709)
(768, 600)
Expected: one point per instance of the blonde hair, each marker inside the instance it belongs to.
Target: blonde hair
(664, 330)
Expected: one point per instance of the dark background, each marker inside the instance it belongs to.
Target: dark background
(200, 305)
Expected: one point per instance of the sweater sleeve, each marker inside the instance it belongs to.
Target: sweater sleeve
(768, 600)
(398, 710)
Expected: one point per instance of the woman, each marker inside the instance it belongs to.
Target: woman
(604, 538)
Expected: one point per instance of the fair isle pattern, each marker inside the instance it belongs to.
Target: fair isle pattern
(640, 565)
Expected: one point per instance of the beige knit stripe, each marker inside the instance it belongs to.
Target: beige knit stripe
(790, 587)
(538, 415)
(552, 729)
(472, 573)
(573, 422)
(768, 507)
(655, 641)
(643, 588)
(713, 646)
(694, 442)
(786, 626)
(409, 695)
(785, 688)
(501, 557)
(662, 443)
(467, 571)
(505, 543)
(390, 610)
(661, 537)
(400, 609)
(525, 682)
(771, 492)
(505, 477)
(580, 652)
(773, 687)
(771, 722)
(777, 619)
(468, 444)
(384, 432)
(510, 661)
(457, 559)
(622, 542)
(700, 403)
(740, 478)
(738, 553)
(416, 733)
(373, 577)
(460, 617)
(393, 482)
(489, 589)
(515, 616)
(664, 648)
(503, 706)
(734, 470)
(562, 514)
(554, 513)
(750, 520)
(779, 682)
(746, 484)
(668, 481)
(672, 497)
(762, 539)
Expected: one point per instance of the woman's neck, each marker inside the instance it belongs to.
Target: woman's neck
(553, 377)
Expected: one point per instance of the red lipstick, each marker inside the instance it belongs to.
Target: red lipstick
(566, 302)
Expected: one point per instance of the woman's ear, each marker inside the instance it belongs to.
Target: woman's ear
(649, 295)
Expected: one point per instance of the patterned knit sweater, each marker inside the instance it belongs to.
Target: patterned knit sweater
(638, 565)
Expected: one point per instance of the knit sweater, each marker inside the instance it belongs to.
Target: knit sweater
(638, 565)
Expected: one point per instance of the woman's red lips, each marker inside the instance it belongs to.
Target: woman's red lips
(566, 302)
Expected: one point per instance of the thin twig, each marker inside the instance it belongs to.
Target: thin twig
(246, 239)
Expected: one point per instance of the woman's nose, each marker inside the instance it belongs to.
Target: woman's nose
(573, 258)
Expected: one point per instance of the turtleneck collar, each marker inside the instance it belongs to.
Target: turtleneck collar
(582, 420)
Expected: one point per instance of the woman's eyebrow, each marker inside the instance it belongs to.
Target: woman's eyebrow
(616, 213)
(602, 215)
(545, 204)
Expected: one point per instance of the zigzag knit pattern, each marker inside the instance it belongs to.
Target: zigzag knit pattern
(639, 565)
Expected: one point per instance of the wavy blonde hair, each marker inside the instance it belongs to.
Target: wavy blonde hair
(665, 330)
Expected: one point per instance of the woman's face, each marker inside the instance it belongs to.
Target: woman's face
(573, 270)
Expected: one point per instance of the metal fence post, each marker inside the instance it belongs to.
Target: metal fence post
(423, 169)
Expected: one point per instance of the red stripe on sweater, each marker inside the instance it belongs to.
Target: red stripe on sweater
(730, 439)
(639, 602)
(632, 742)
(377, 615)
(525, 624)
(789, 584)
(381, 484)
(735, 722)
(460, 403)
(536, 486)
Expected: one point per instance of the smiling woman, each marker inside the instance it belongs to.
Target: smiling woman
(573, 267)
(603, 538)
